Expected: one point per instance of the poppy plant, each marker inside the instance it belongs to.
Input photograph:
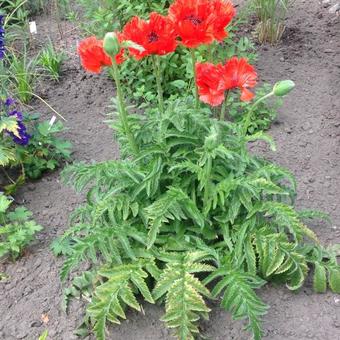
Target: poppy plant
(156, 36)
(93, 56)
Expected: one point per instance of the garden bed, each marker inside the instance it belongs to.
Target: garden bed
(307, 133)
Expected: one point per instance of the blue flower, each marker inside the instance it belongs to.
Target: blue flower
(2, 37)
(17, 114)
(23, 137)
(9, 101)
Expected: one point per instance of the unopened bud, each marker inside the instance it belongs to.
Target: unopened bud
(283, 87)
(131, 44)
(111, 44)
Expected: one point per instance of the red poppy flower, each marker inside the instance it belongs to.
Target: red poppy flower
(93, 57)
(239, 73)
(194, 21)
(156, 36)
(210, 83)
(224, 12)
(214, 80)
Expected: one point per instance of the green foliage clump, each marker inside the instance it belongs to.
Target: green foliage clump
(17, 229)
(106, 15)
(271, 15)
(20, 75)
(45, 150)
(139, 80)
(51, 61)
(192, 217)
(263, 115)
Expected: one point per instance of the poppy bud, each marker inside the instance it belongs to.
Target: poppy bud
(283, 87)
(111, 44)
(131, 44)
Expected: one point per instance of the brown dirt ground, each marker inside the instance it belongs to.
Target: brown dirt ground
(307, 133)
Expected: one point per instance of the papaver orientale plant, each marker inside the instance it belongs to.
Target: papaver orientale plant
(187, 214)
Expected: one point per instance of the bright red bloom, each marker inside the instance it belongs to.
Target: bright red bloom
(214, 80)
(156, 36)
(93, 56)
(194, 21)
(239, 73)
(224, 12)
(210, 83)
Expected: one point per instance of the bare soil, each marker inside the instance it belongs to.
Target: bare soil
(307, 133)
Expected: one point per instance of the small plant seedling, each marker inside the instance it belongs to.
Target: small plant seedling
(271, 14)
(44, 335)
(51, 61)
(22, 75)
(45, 150)
(17, 229)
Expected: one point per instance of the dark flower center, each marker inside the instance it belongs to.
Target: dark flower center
(153, 37)
(194, 19)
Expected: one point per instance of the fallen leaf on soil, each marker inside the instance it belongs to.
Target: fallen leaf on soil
(44, 318)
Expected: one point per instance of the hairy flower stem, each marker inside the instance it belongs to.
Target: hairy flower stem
(122, 109)
(211, 54)
(247, 120)
(158, 75)
(224, 107)
(193, 57)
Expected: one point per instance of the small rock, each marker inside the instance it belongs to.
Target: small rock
(326, 3)
(335, 8)
(282, 59)
(337, 301)
(337, 323)
(329, 50)
(52, 332)
(31, 187)
(21, 334)
(36, 324)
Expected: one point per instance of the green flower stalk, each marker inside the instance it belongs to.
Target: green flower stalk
(193, 57)
(122, 109)
(112, 48)
(280, 89)
(158, 75)
(224, 107)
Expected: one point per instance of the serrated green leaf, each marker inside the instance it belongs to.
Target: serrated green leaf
(334, 280)
(319, 278)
